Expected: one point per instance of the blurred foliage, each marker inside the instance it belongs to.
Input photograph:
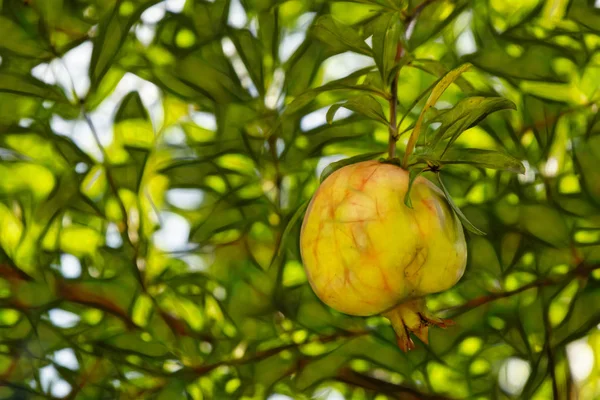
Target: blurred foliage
(154, 155)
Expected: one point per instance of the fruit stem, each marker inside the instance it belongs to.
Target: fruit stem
(413, 317)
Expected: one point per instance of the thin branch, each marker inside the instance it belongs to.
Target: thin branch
(78, 294)
(550, 355)
(580, 271)
(375, 385)
(261, 355)
(84, 380)
(13, 274)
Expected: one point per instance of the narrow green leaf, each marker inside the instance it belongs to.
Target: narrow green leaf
(331, 168)
(18, 40)
(466, 114)
(436, 93)
(298, 214)
(585, 14)
(444, 83)
(347, 83)
(131, 108)
(112, 33)
(269, 32)
(385, 42)
(366, 105)
(533, 64)
(210, 19)
(483, 158)
(104, 89)
(429, 23)
(586, 156)
(416, 101)
(436, 68)
(413, 174)
(340, 37)
(545, 223)
(29, 86)
(331, 112)
(466, 223)
(250, 50)
(218, 80)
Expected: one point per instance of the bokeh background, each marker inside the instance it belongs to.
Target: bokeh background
(153, 155)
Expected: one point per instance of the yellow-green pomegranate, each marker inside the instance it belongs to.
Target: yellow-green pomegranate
(366, 252)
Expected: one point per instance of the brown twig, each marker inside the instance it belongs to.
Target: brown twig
(261, 355)
(86, 377)
(350, 377)
(580, 271)
(77, 293)
(551, 359)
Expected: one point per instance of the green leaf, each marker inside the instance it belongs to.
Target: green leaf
(443, 84)
(587, 155)
(436, 93)
(483, 158)
(29, 86)
(303, 66)
(297, 216)
(546, 224)
(535, 62)
(535, 110)
(433, 18)
(111, 36)
(339, 37)
(107, 86)
(466, 223)
(386, 38)
(17, 39)
(132, 108)
(366, 105)
(331, 168)
(209, 18)
(348, 83)
(250, 50)
(218, 80)
(413, 174)
(436, 68)
(466, 114)
(585, 13)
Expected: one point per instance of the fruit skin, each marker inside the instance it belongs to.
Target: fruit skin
(365, 252)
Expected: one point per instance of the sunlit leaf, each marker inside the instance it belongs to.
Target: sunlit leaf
(339, 36)
(436, 93)
(112, 33)
(466, 114)
(386, 39)
(366, 105)
(466, 223)
(483, 158)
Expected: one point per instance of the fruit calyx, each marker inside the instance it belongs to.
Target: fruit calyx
(413, 317)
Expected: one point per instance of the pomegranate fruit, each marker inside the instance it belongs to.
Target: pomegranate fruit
(366, 253)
